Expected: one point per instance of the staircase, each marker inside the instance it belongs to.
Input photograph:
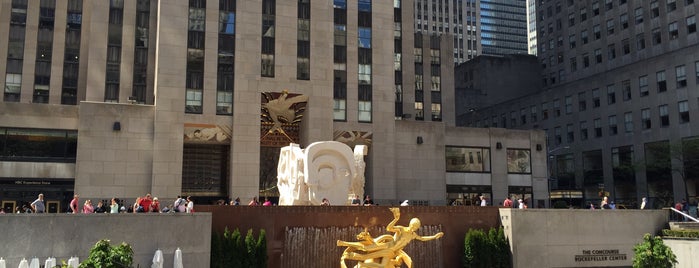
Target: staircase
(683, 225)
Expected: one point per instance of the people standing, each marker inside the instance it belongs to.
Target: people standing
(155, 206)
(190, 205)
(507, 203)
(643, 203)
(368, 201)
(355, 200)
(325, 202)
(114, 207)
(521, 203)
(605, 203)
(145, 203)
(88, 208)
(74, 204)
(236, 202)
(38, 204)
(267, 203)
(179, 205)
(253, 201)
(484, 202)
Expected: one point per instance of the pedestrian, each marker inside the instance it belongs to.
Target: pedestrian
(267, 203)
(592, 206)
(74, 204)
(145, 203)
(100, 208)
(355, 200)
(325, 202)
(190, 205)
(253, 201)
(507, 203)
(88, 208)
(484, 202)
(368, 201)
(38, 204)
(605, 203)
(155, 206)
(643, 202)
(178, 206)
(114, 207)
(521, 203)
(236, 202)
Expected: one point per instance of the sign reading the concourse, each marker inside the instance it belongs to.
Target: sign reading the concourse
(596, 255)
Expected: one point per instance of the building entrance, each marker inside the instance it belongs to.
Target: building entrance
(16, 194)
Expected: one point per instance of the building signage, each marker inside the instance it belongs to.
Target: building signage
(589, 255)
(34, 182)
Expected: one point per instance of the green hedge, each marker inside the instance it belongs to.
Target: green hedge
(681, 233)
(487, 250)
(231, 249)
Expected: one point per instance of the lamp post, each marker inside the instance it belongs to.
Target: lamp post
(550, 157)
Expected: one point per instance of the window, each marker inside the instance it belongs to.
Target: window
(571, 19)
(545, 110)
(583, 130)
(628, 122)
(436, 111)
(595, 98)
(513, 119)
(586, 60)
(656, 36)
(640, 41)
(523, 116)
(556, 108)
(612, 125)
(645, 118)
(467, 159)
(683, 108)
(533, 113)
(611, 95)
(519, 161)
(643, 86)
(193, 100)
(680, 76)
(597, 123)
(557, 135)
(639, 15)
(583, 14)
(364, 37)
(610, 26)
(624, 20)
(660, 78)
(268, 38)
(364, 111)
(38, 145)
(691, 24)
(598, 55)
(571, 40)
(13, 85)
(573, 64)
(664, 115)
(582, 103)
(364, 74)
(583, 37)
(672, 30)
(625, 46)
(597, 32)
(569, 104)
(626, 89)
(570, 134)
(609, 4)
(595, 8)
(611, 52)
(654, 10)
(419, 111)
(671, 5)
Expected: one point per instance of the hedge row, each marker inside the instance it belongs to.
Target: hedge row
(487, 250)
(230, 249)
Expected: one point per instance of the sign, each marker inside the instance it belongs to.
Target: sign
(589, 255)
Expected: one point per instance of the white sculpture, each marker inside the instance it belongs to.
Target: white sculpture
(326, 169)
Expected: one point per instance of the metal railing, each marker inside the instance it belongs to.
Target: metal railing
(681, 217)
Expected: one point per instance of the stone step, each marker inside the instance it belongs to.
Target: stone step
(684, 225)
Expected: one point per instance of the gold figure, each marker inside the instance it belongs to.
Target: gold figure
(385, 251)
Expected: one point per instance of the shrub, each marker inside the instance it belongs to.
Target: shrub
(681, 233)
(231, 250)
(653, 253)
(102, 255)
(491, 250)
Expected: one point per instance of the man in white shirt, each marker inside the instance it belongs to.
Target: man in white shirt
(38, 204)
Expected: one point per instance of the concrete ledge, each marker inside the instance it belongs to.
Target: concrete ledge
(65, 235)
(578, 237)
(685, 250)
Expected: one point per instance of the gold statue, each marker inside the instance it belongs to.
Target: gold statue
(385, 251)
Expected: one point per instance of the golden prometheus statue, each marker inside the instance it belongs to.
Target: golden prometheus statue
(385, 251)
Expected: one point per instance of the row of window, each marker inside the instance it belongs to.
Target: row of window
(477, 159)
(586, 59)
(553, 108)
(663, 120)
(38, 145)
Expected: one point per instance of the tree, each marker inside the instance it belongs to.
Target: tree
(653, 253)
(102, 255)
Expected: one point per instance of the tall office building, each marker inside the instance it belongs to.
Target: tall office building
(531, 26)
(122, 98)
(490, 27)
(619, 104)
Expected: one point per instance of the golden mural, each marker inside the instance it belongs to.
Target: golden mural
(281, 114)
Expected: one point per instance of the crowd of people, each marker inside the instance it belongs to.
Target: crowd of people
(144, 204)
